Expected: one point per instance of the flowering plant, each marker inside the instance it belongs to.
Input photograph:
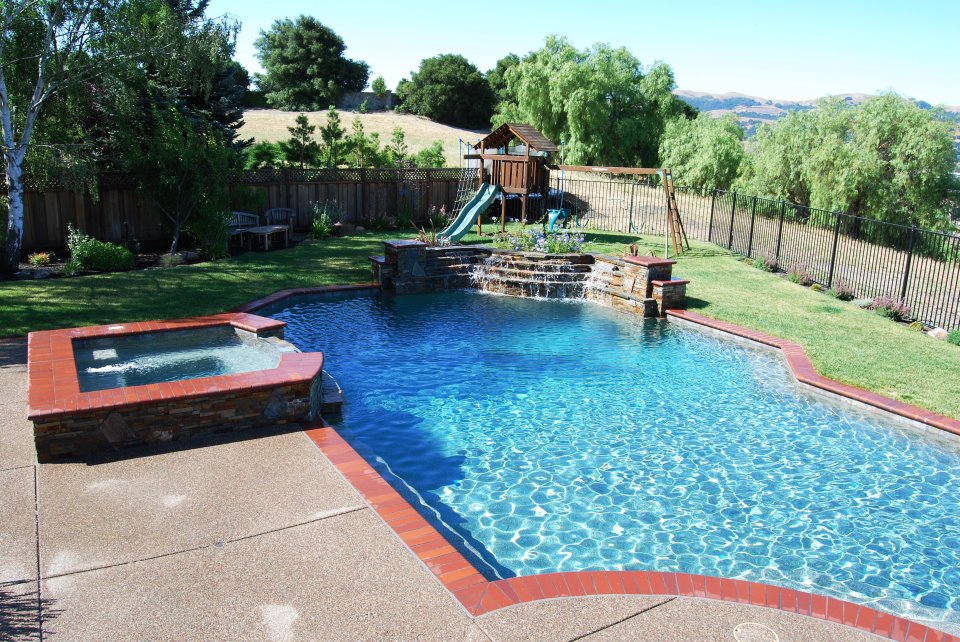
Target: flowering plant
(536, 240)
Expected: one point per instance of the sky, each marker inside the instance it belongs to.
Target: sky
(775, 49)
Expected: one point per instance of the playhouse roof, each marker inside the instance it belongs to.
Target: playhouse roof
(506, 132)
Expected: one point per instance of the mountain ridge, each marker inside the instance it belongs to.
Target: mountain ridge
(753, 110)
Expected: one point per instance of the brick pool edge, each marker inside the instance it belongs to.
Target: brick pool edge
(480, 596)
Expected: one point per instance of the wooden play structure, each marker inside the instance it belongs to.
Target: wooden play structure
(528, 173)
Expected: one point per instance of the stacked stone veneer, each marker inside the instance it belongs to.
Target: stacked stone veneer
(412, 267)
(68, 422)
(640, 284)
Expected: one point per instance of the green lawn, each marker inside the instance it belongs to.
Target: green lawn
(844, 342)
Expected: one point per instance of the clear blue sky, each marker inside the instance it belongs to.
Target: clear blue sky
(775, 49)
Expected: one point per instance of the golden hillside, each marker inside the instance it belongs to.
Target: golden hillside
(270, 125)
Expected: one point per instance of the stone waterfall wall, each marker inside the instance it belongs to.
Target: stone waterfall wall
(639, 284)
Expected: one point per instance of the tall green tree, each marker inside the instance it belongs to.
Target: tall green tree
(885, 159)
(397, 148)
(497, 77)
(304, 65)
(703, 152)
(301, 148)
(448, 89)
(379, 86)
(606, 106)
(180, 166)
(332, 134)
(46, 48)
(171, 123)
(362, 149)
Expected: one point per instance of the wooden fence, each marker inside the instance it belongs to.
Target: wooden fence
(116, 213)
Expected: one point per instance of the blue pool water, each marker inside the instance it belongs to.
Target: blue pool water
(549, 436)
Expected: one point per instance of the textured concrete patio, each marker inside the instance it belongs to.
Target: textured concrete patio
(261, 539)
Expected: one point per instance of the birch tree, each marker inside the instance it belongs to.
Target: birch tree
(57, 50)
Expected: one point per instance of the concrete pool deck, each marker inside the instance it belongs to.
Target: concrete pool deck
(262, 539)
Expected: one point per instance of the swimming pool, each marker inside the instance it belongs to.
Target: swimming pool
(556, 436)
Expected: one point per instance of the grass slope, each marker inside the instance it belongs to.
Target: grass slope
(270, 125)
(844, 342)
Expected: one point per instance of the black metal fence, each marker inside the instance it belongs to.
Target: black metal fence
(872, 258)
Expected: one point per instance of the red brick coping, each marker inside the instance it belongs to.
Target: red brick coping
(479, 595)
(804, 371)
(54, 389)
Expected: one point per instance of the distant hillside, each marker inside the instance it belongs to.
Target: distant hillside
(270, 125)
(753, 110)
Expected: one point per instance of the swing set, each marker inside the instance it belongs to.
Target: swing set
(527, 175)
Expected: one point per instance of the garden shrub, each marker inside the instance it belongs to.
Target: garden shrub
(954, 337)
(40, 259)
(766, 262)
(842, 290)
(800, 275)
(210, 230)
(891, 308)
(87, 253)
(536, 240)
(324, 216)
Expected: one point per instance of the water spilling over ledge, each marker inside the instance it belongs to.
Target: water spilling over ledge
(642, 284)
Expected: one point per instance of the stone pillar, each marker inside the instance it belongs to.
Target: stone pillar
(408, 260)
(639, 272)
(670, 295)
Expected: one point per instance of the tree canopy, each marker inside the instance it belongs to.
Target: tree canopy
(703, 152)
(601, 101)
(304, 65)
(448, 89)
(886, 159)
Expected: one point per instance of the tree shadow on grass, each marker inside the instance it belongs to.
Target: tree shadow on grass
(23, 612)
(693, 303)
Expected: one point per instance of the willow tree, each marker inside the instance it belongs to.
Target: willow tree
(601, 101)
(45, 47)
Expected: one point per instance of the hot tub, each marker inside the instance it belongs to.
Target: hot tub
(103, 387)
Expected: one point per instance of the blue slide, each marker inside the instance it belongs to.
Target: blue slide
(477, 205)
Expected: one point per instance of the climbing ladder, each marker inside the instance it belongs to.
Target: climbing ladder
(674, 223)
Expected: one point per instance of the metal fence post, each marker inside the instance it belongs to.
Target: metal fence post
(906, 269)
(783, 211)
(713, 202)
(833, 254)
(733, 211)
(753, 219)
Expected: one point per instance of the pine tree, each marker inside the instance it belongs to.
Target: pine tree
(301, 148)
(332, 135)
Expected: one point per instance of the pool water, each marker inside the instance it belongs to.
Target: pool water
(544, 436)
(156, 357)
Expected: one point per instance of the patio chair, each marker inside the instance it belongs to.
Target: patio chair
(281, 216)
(237, 222)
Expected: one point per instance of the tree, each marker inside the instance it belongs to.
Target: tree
(332, 134)
(600, 101)
(430, 156)
(262, 155)
(397, 149)
(449, 89)
(703, 152)
(497, 77)
(363, 150)
(301, 148)
(179, 166)
(379, 87)
(45, 47)
(886, 159)
(304, 65)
